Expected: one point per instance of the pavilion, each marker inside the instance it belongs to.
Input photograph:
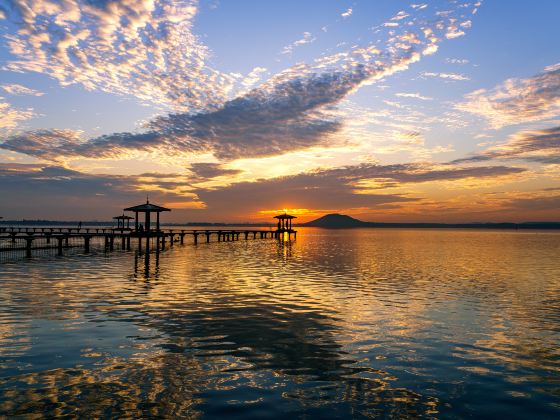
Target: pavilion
(285, 222)
(147, 209)
(121, 220)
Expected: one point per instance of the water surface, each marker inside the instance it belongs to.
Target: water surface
(343, 323)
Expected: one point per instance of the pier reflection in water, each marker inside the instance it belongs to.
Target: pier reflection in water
(337, 323)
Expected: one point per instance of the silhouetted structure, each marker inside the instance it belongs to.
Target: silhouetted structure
(285, 225)
(122, 220)
(147, 209)
(27, 239)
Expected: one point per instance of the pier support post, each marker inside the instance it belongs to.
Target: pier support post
(171, 239)
(86, 244)
(66, 239)
(195, 238)
(128, 243)
(48, 236)
(111, 242)
(59, 245)
(123, 242)
(219, 236)
(162, 243)
(29, 241)
(207, 237)
(182, 238)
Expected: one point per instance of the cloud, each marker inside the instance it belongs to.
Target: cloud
(400, 16)
(460, 61)
(292, 110)
(253, 77)
(347, 13)
(10, 117)
(531, 145)
(448, 76)
(517, 101)
(339, 188)
(58, 189)
(139, 48)
(57, 144)
(211, 170)
(15, 89)
(306, 39)
(532, 204)
(64, 192)
(413, 95)
(67, 193)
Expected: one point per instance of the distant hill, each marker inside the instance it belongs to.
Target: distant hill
(342, 221)
(336, 220)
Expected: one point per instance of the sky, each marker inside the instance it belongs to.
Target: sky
(236, 110)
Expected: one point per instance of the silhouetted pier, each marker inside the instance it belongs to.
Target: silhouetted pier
(143, 238)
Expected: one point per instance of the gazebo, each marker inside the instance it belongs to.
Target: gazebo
(147, 209)
(284, 222)
(121, 220)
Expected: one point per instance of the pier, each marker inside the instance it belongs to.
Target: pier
(29, 241)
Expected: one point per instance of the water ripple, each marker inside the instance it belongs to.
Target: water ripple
(360, 323)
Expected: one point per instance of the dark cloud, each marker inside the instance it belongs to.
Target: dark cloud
(336, 188)
(56, 144)
(211, 170)
(272, 120)
(38, 191)
(541, 146)
(275, 119)
(53, 191)
(266, 121)
(535, 204)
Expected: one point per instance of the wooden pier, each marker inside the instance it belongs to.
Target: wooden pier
(28, 239)
(142, 238)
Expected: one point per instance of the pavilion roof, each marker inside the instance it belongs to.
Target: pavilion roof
(123, 217)
(285, 216)
(147, 208)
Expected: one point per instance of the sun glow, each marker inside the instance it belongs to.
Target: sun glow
(286, 210)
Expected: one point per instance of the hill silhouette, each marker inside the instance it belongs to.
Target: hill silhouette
(336, 220)
(341, 221)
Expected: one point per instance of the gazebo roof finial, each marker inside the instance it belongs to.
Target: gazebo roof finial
(147, 199)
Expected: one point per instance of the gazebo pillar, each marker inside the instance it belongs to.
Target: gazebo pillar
(157, 222)
(136, 221)
(147, 221)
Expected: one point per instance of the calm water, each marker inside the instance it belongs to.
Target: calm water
(349, 323)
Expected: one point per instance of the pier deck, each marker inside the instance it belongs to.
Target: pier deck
(27, 239)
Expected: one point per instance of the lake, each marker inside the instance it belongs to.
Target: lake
(339, 323)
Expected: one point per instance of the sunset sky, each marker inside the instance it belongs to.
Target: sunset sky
(232, 110)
